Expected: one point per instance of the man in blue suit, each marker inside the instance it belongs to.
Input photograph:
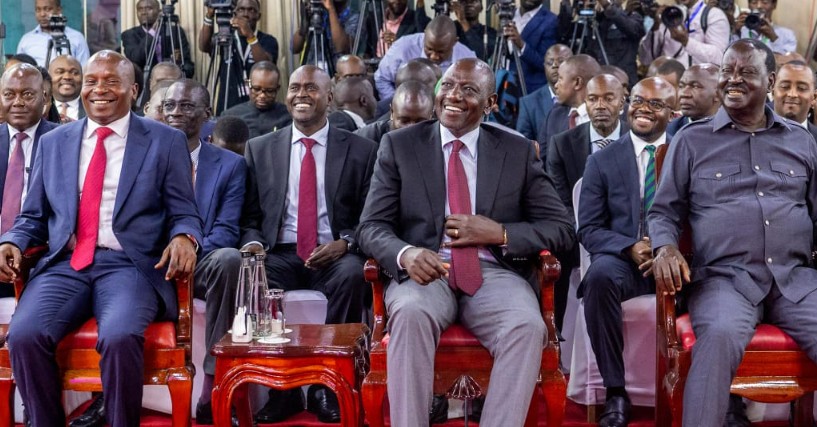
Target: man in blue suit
(617, 190)
(532, 31)
(535, 106)
(113, 247)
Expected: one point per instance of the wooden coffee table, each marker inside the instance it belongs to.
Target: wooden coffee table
(333, 355)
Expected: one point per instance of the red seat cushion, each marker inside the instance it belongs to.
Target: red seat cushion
(159, 335)
(455, 336)
(767, 337)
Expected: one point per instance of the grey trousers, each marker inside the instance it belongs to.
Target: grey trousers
(503, 314)
(724, 322)
(215, 281)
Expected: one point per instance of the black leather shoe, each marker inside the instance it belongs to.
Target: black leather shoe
(476, 409)
(282, 404)
(94, 416)
(204, 415)
(439, 410)
(736, 414)
(322, 402)
(616, 412)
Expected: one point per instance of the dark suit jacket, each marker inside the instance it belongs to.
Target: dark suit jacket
(533, 108)
(220, 182)
(555, 122)
(567, 155)
(341, 120)
(375, 131)
(349, 164)
(539, 35)
(406, 203)
(675, 125)
(813, 130)
(42, 128)
(137, 44)
(154, 200)
(610, 202)
(415, 21)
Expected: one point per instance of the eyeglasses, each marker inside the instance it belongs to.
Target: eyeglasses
(271, 92)
(653, 104)
(185, 107)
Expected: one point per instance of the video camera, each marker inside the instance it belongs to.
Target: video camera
(56, 24)
(585, 8)
(672, 16)
(223, 15)
(754, 20)
(505, 10)
(316, 14)
(442, 7)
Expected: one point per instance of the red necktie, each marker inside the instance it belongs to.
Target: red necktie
(89, 202)
(13, 189)
(572, 118)
(307, 203)
(466, 274)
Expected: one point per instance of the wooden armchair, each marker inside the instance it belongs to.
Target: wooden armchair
(168, 358)
(773, 369)
(459, 352)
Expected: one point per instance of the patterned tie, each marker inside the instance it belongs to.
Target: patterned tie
(13, 190)
(572, 118)
(466, 274)
(307, 203)
(89, 203)
(601, 143)
(649, 179)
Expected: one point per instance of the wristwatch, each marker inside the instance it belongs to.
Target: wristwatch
(349, 242)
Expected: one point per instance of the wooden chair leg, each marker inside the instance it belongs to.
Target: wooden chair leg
(241, 401)
(181, 395)
(373, 392)
(803, 415)
(7, 399)
(554, 387)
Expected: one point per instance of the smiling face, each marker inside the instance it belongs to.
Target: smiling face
(308, 97)
(466, 94)
(743, 81)
(650, 108)
(108, 88)
(66, 75)
(794, 92)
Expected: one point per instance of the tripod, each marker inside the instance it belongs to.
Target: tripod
(588, 24)
(168, 39)
(58, 42)
(226, 75)
(499, 59)
(378, 17)
(317, 50)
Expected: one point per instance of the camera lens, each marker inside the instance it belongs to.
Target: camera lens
(753, 21)
(672, 17)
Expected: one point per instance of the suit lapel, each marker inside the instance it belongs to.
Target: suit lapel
(4, 151)
(279, 178)
(80, 111)
(207, 175)
(580, 147)
(69, 158)
(628, 170)
(429, 156)
(532, 25)
(489, 168)
(136, 148)
(336, 148)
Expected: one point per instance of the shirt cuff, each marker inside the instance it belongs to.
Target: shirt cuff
(400, 255)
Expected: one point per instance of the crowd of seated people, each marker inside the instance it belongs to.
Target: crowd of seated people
(319, 172)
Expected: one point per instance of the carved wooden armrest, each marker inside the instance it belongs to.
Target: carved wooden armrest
(373, 275)
(184, 324)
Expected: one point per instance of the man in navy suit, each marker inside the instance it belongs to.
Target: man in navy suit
(616, 193)
(697, 96)
(22, 104)
(113, 247)
(532, 31)
(536, 105)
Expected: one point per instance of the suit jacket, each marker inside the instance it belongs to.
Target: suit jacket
(555, 122)
(610, 202)
(812, 130)
(42, 128)
(567, 155)
(154, 200)
(220, 180)
(348, 169)
(137, 43)
(539, 35)
(341, 120)
(406, 203)
(675, 125)
(375, 131)
(533, 107)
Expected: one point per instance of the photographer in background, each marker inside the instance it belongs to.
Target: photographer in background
(138, 40)
(470, 31)
(253, 45)
(532, 32)
(397, 21)
(620, 28)
(35, 42)
(756, 23)
(339, 24)
(701, 35)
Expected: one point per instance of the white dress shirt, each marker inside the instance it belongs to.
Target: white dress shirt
(289, 227)
(35, 43)
(115, 152)
(786, 40)
(521, 20)
(194, 158)
(595, 136)
(701, 47)
(28, 151)
(72, 108)
(583, 116)
(642, 157)
(359, 122)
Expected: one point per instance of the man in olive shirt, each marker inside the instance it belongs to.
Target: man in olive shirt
(262, 113)
(745, 180)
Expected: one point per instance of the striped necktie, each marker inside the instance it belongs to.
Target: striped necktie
(649, 179)
(601, 143)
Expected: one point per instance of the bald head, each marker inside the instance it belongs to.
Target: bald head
(439, 39)
(356, 94)
(417, 71)
(66, 78)
(784, 58)
(651, 103)
(349, 66)
(308, 97)
(605, 99)
(109, 87)
(574, 73)
(413, 102)
(441, 26)
(22, 97)
(619, 73)
(165, 71)
(698, 91)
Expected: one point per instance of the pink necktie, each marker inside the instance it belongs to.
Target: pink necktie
(13, 189)
(307, 203)
(89, 202)
(572, 118)
(466, 274)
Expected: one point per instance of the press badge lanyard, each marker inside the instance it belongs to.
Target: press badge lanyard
(692, 17)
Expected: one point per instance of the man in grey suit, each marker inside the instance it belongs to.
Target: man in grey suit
(451, 250)
(746, 180)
